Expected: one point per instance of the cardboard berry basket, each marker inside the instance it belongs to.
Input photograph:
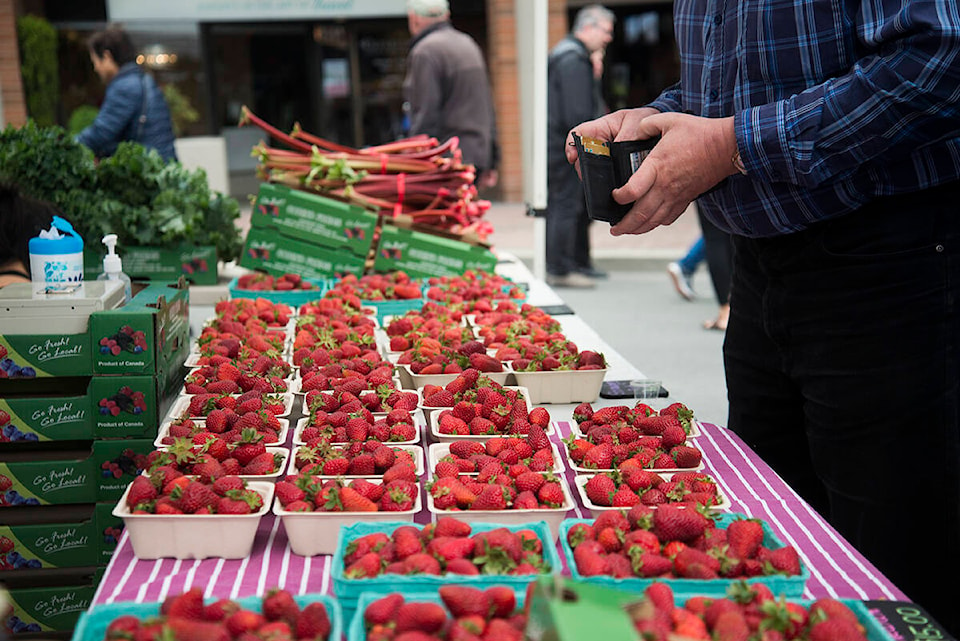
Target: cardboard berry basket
(790, 586)
(182, 405)
(595, 510)
(431, 411)
(315, 533)
(415, 450)
(355, 606)
(437, 436)
(292, 297)
(437, 451)
(193, 536)
(303, 423)
(693, 432)
(349, 590)
(266, 478)
(562, 386)
(93, 623)
(589, 471)
(419, 380)
(356, 627)
(165, 431)
(291, 384)
(552, 516)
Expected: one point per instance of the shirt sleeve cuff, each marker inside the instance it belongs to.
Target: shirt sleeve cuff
(668, 101)
(762, 143)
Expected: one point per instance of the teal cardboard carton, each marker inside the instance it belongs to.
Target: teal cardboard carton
(424, 255)
(276, 254)
(314, 218)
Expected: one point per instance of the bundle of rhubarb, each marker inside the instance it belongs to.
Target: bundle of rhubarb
(418, 178)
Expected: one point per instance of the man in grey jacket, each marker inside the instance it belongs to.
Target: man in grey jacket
(571, 99)
(447, 87)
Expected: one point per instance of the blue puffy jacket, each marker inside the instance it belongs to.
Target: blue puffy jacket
(120, 116)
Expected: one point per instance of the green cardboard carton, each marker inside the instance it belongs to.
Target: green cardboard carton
(425, 255)
(198, 264)
(276, 254)
(315, 219)
(47, 609)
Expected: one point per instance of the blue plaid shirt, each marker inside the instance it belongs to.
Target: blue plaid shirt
(836, 102)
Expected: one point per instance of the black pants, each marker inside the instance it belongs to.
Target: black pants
(842, 361)
(718, 248)
(568, 226)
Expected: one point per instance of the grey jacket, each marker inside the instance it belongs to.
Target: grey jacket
(448, 92)
(571, 96)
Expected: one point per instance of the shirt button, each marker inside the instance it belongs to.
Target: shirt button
(717, 19)
(714, 94)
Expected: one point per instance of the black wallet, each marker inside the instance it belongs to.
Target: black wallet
(605, 166)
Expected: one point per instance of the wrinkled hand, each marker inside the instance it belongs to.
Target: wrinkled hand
(693, 155)
(620, 125)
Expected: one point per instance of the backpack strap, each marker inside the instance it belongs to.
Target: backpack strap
(142, 120)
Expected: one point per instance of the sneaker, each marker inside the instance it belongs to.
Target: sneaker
(572, 280)
(681, 281)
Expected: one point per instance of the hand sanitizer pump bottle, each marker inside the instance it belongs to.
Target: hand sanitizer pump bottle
(113, 267)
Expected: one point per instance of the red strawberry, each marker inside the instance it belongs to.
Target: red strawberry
(783, 560)
(366, 567)
(450, 526)
(744, 537)
(383, 611)
(278, 605)
(313, 622)
(672, 523)
(491, 498)
(503, 601)
(600, 489)
(465, 601)
(552, 495)
(422, 617)
(142, 490)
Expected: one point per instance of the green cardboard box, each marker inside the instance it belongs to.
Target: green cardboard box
(314, 218)
(47, 609)
(148, 335)
(71, 337)
(64, 477)
(274, 253)
(564, 610)
(424, 255)
(198, 264)
(58, 537)
(72, 409)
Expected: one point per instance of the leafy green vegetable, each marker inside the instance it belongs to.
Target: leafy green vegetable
(133, 193)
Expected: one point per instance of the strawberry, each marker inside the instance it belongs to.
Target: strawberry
(141, 490)
(261, 465)
(589, 562)
(278, 605)
(446, 548)
(503, 601)
(383, 611)
(450, 526)
(671, 523)
(465, 601)
(196, 630)
(492, 497)
(422, 617)
(551, 495)
(123, 627)
(353, 501)
(836, 629)
(600, 489)
(187, 605)
(783, 560)
(462, 566)
(744, 537)
(313, 622)
(366, 567)
(422, 564)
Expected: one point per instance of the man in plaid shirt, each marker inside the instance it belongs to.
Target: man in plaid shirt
(825, 135)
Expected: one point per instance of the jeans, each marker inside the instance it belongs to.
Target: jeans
(693, 258)
(842, 362)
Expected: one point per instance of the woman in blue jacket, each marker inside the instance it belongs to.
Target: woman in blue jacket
(134, 108)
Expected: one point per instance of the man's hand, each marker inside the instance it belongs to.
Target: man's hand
(693, 155)
(620, 125)
(488, 178)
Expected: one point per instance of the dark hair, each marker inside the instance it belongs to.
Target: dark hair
(116, 41)
(21, 218)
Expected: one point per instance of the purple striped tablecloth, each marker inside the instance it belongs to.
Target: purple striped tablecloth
(836, 568)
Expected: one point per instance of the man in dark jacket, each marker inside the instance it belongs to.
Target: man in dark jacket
(571, 99)
(447, 87)
(134, 108)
